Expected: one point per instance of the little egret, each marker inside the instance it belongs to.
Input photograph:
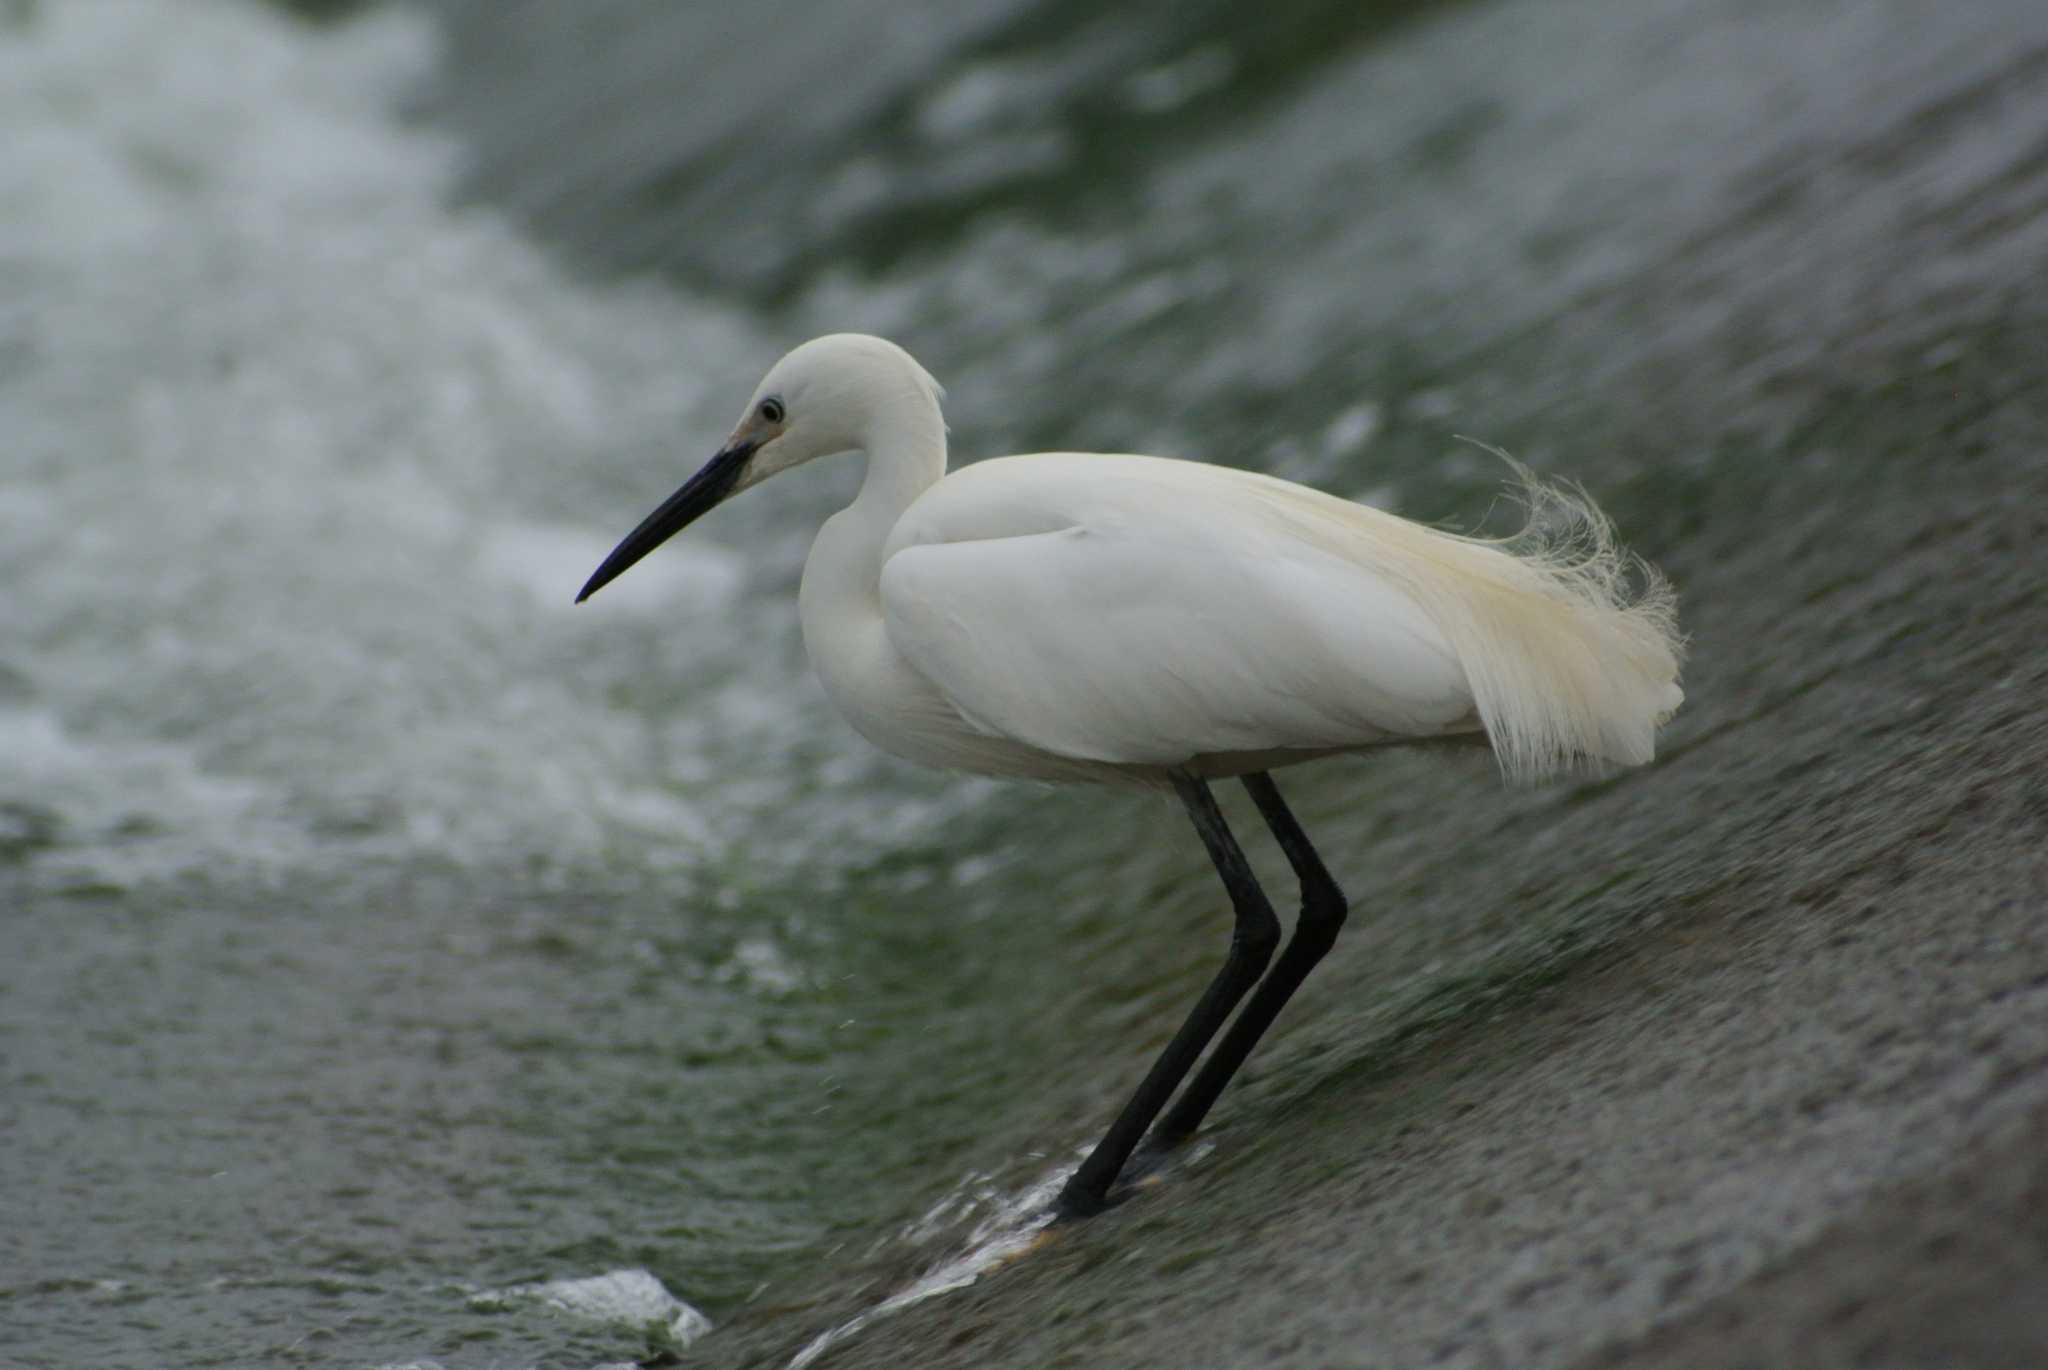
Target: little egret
(1140, 620)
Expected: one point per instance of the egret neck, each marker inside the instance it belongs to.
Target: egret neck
(840, 600)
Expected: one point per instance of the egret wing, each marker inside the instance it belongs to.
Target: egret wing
(1151, 636)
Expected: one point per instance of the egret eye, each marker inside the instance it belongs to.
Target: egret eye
(771, 410)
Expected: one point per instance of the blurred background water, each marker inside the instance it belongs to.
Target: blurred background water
(382, 934)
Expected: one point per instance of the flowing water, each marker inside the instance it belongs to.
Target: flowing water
(404, 966)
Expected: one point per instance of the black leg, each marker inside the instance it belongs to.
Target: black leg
(1251, 947)
(1322, 914)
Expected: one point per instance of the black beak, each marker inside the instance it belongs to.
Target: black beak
(676, 513)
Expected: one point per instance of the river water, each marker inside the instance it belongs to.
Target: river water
(395, 954)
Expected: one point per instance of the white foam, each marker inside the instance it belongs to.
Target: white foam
(618, 1298)
(1009, 1226)
(305, 465)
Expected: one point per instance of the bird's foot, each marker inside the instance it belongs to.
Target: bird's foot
(1073, 1204)
(1145, 1168)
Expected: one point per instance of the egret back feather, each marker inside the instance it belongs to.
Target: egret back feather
(1569, 642)
(1191, 609)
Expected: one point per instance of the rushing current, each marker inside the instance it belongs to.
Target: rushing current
(403, 966)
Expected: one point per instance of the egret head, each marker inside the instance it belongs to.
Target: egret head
(826, 396)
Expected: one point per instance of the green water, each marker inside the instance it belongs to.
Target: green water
(382, 933)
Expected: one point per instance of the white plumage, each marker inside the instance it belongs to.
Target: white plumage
(1140, 620)
(1093, 617)
(1139, 612)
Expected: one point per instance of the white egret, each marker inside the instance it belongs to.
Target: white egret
(1147, 621)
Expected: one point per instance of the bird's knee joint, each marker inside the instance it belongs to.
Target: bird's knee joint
(1331, 905)
(1256, 939)
(1324, 909)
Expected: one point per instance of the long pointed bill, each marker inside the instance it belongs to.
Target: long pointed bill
(703, 490)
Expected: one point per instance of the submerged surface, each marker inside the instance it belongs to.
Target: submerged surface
(403, 966)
